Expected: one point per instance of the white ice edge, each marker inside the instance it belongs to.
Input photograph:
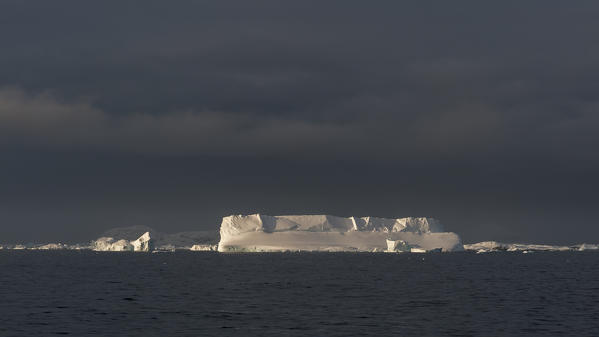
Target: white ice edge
(296, 233)
(474, 247)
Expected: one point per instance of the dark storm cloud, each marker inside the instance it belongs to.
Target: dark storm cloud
(484, 115)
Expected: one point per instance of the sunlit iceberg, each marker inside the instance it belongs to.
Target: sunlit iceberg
(143, 244)
(164, 241)
(264, 233)
(204, 248)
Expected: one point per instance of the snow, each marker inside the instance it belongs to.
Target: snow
(52, 246)
(397, 246)
(108, 244)
(493, 246)
(258, 232)
(165, 248)
(143, 244)
(163, 241)
(137, 239)
(236, 224)
(417, 250)
(586, 246)
(204, 248)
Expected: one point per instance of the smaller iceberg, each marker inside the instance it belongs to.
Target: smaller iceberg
(204, 248)
(143, 244)
(164, 241)
(494, 246)
(108, 244)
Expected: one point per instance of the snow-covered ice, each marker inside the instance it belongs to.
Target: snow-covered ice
(259, 232)
(52, 246)
(204, 248)
(164, 241)
(397, 246)
(108, 244)
(142, 244)
(494, 246)
(587, 246)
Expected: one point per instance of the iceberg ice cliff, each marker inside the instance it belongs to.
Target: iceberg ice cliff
(143, 244)
(263, 233)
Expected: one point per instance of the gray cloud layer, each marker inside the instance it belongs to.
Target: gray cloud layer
(43, 121)
(460, 106)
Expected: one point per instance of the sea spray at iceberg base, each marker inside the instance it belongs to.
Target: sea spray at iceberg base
(264, 233)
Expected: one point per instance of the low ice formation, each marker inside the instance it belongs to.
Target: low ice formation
(53, 246)
(46, 246)
(204, 248)
(493, 246)
(258, 232)
(587, 246)
(143, 244)
(164, 241)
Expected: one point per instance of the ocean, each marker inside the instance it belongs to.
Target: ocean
(85, 293)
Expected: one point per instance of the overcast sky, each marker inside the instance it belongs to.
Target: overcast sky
(484, 115)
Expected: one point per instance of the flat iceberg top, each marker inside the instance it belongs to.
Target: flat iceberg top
(237, 224)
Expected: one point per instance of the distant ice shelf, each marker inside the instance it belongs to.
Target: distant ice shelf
(45, 246)
(147, 243)
(134, 238)
(494, 246)
(129, 239)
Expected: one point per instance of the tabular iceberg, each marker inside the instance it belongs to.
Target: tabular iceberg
(265, 233)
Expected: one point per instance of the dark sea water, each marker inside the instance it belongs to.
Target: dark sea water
(298, 294)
